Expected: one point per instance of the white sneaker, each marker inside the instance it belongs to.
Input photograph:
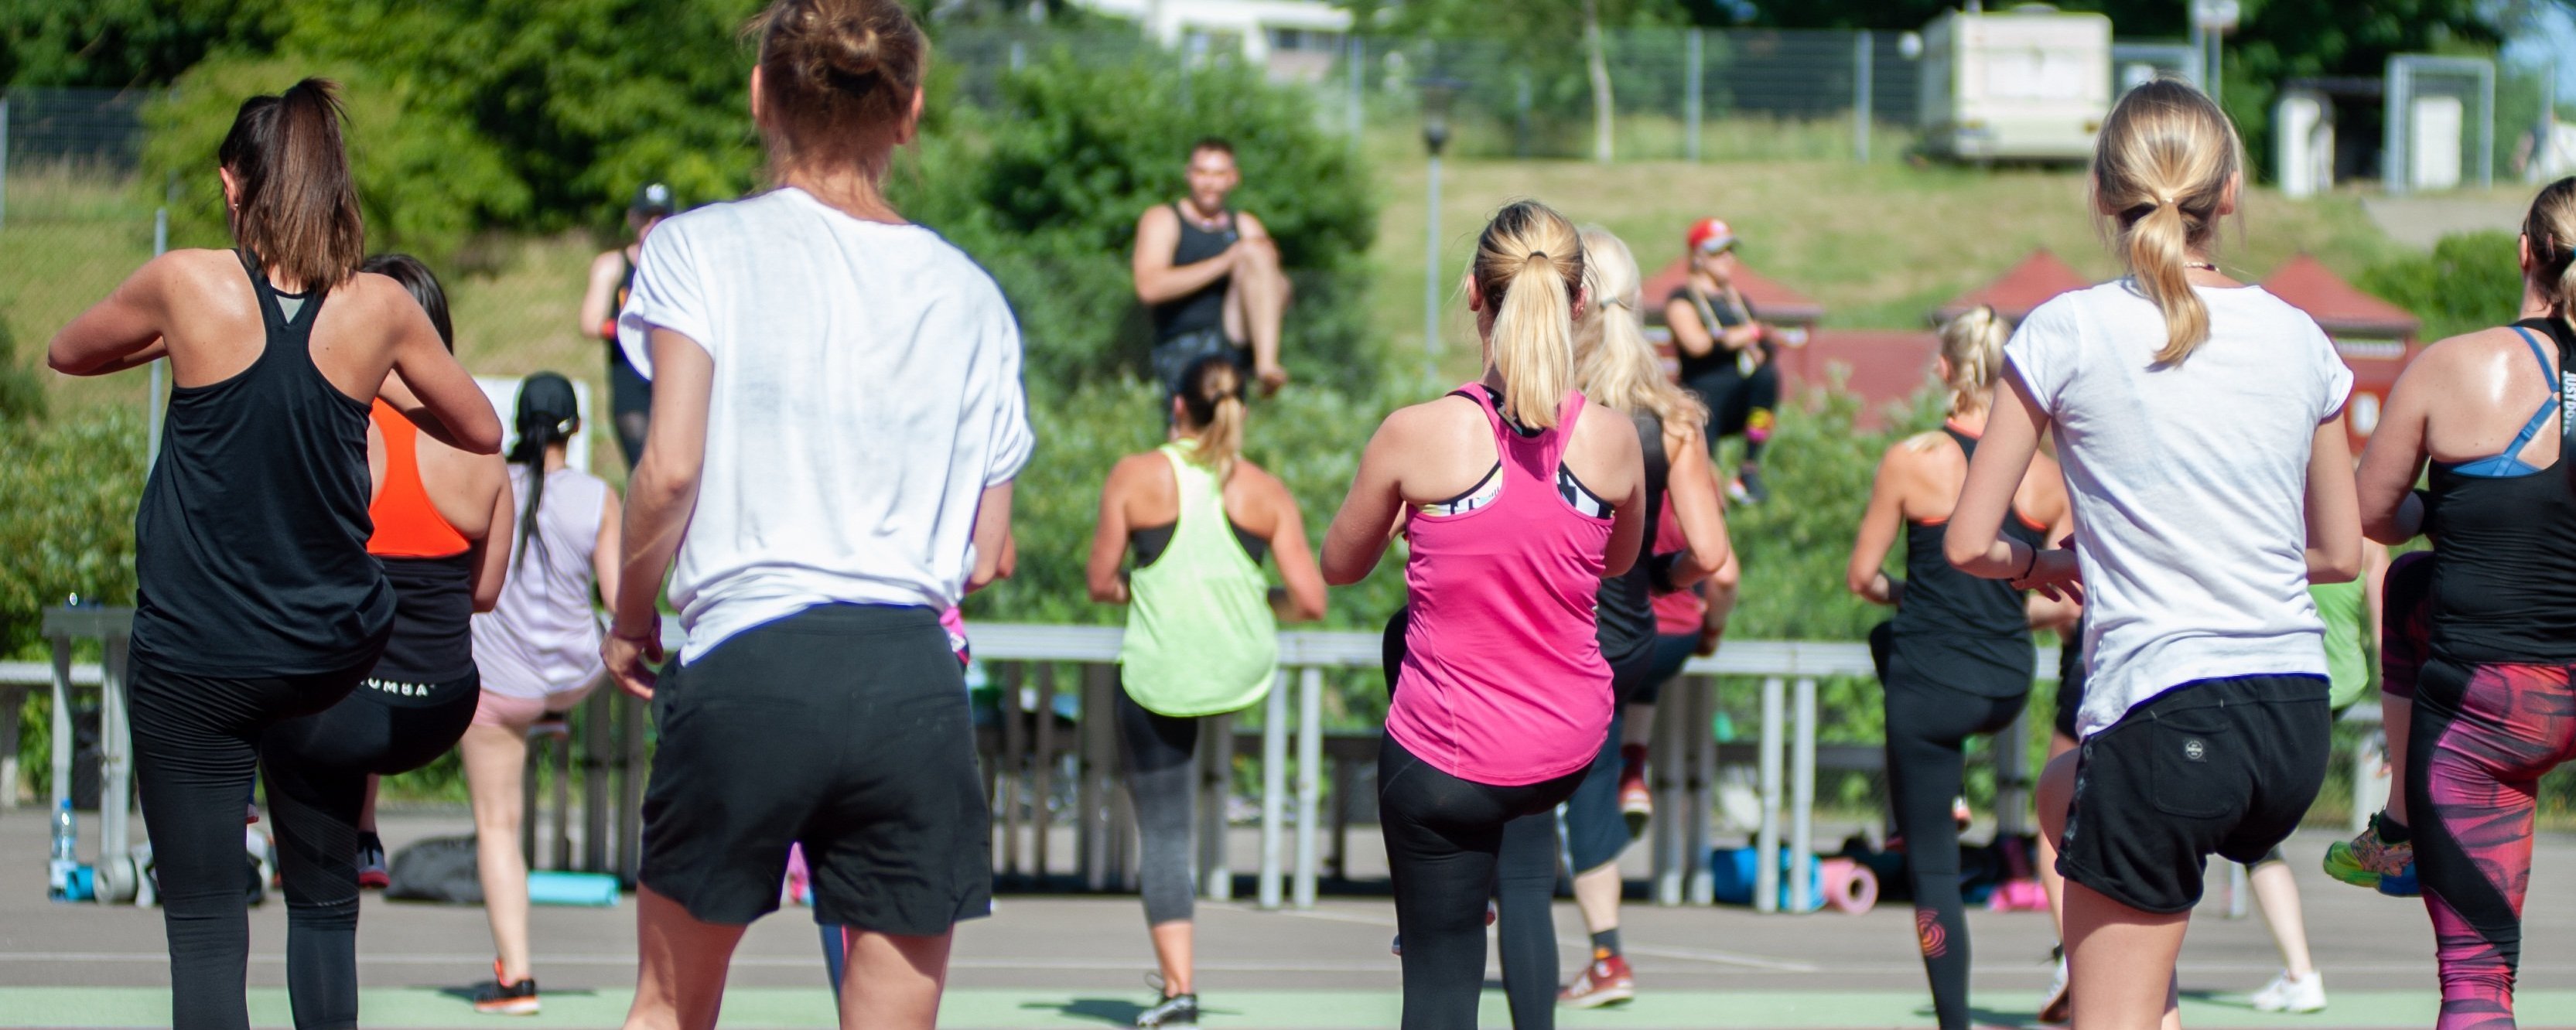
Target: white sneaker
(2056, 1008)
(2288, 994)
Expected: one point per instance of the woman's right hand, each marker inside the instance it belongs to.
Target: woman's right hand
(2055, 574)
(631, 659)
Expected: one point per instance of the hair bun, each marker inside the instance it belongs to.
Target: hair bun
(854, 45)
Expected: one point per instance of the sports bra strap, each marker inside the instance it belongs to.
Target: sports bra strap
(2541, 417)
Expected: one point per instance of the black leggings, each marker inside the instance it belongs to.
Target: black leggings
(1740, 404)
(1161, 768)
(195, 747)
(630, 404)
(1445, 841)
(317, 768)
(1927, 728)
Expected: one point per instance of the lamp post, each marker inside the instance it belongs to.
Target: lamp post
(1436, 95)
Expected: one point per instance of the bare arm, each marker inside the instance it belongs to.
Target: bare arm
(119, 332)
(1360, 531)
(599, 298)
(1620, 450)
(1880, 520)
(604, 549)
(451, 408)
(1692, 485)
(1109, 537)
(994, 552)
(660, 498)
(1975, 543)
(2384, 487)
(492, 552)
(2334, 516)
(1157, 279)
(1688, 334)
(1297, 569)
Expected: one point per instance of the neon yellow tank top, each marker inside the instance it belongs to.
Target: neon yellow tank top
(1201, 638)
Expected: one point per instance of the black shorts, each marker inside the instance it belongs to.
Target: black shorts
(844, 728)
(2070, 682)
(2223, 766)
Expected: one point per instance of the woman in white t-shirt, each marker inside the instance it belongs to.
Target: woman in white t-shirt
(2201, 426)
(837, 417)
(539, 651)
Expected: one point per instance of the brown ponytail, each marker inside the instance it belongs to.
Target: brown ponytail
(2550, 231)
(1529, 267)
(1212, 406)
(837, 76)
(2161, 168)
(298, 209)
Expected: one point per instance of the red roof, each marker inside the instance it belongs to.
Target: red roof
(1880, 366)
(2013, 294)
(1776, 303)
(2338, 306)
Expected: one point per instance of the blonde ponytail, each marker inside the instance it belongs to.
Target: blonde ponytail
(1614, 364)
(2162, 167)
(1973, 346)
(1212, 406)
(1529, 268)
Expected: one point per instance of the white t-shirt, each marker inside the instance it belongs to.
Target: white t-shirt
(866, 391)
(542, 636)
(2189, 484)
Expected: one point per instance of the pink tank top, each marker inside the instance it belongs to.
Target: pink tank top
(1678, 612)
(1503, 681)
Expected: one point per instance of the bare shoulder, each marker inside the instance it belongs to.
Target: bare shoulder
(1159, 216)
(609, 262)
(1433, 420)
(1136, 468)
(1250, 226)
(1603, 426)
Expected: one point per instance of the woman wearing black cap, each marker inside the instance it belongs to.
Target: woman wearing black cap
(612, 277)
(539, 649)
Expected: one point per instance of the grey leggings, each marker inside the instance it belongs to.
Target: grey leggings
(1160, 749)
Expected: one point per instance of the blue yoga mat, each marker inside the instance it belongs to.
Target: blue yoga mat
(598, 890)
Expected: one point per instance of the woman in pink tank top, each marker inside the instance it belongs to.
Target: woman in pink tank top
(1517, 499)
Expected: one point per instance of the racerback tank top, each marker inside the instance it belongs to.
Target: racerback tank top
(1204, 308)
(542, 636)
(251, 537)
(1502, 681)
(1626, 613)
(431, 651)
(2504, 567)
(1201, 638)
(1957, 630)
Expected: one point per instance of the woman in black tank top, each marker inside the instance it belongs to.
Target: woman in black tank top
(257, 599)
(1956, 661)
(2488, 713)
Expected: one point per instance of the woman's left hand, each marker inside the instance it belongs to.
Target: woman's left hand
(2056, 575)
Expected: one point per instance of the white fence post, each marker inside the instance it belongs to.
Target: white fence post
(1692, 42)
(1766, 840)
(1310, 760)
(1802, 796)
(1274, 786)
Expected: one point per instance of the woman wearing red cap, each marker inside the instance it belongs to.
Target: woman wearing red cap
(1725, 353)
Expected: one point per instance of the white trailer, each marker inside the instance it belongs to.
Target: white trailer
(2029, 84)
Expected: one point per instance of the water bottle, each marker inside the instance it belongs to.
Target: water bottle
(58, 868)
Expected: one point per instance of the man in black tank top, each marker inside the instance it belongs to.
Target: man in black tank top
(1210, 276)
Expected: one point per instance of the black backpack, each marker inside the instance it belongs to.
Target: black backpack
(441, 869)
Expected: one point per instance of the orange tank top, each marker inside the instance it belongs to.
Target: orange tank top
(407, 524)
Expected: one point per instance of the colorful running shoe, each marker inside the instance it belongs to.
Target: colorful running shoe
(1177, 1010)
(1607, 981)
(1636, 800)
(501, 998)
(2369, 860)
(372, 874)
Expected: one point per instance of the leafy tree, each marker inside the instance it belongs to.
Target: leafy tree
(124, 44)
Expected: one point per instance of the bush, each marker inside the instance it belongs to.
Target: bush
(2470, 281)
(1045, 188)
(68, 528)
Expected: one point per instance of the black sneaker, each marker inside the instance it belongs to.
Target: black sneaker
(1177, 1010)
(506, 999)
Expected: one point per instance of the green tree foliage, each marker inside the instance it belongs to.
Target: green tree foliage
(22, 389)
(68, 528)
(124, 44)
(2470, 281)
(1046, 186)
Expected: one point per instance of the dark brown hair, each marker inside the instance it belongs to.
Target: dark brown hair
(416, 277)
(298, 210)
(836, 76)
(2550, 230)
(1215, 143)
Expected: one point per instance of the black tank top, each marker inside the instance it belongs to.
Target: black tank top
(616, 306)
(1626, 604)
(1958, 630)
(433, 637)
(251, 538)
(1716, 317)
(1204, 308)
(2504, 559)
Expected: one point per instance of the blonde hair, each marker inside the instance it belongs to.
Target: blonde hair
(1613, 363)
(2161, 169)
(2550, 229)
(1973, 346)
(1529, 266)
(1212, 413)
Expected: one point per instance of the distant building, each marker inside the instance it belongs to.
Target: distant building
(2375, 338)
(1293, 39)
(2020, 289)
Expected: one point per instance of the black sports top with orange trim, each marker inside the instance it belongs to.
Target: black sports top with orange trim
(1957, 630)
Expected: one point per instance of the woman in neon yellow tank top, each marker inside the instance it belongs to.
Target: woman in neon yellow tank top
(1202, 625)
